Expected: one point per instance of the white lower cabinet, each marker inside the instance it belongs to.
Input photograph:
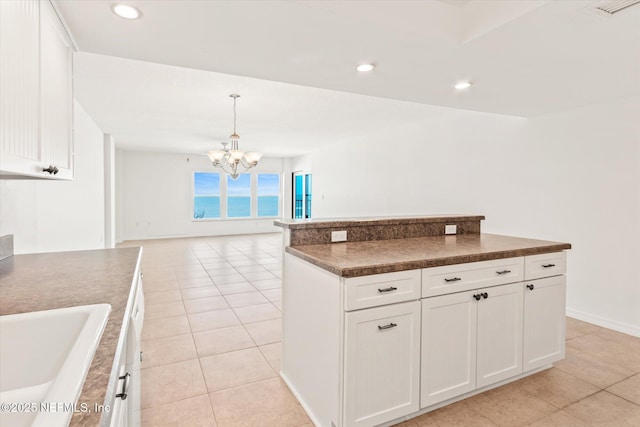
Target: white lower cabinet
(544, 321)
(382, 363)
(470, 340)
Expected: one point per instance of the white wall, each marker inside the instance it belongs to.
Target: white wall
(49, 216)
(572, 176)
(109, 191)
(157, 197)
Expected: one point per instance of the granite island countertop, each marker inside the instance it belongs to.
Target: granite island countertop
(35, 282)
(353, 259)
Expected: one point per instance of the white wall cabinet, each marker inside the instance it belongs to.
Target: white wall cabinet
(382, 363)
(36, 86)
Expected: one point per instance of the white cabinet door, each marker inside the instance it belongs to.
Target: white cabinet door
(56, 93)
(499, 333)
(382, 363)
(448, 347)
(544, 321)
(19, 85)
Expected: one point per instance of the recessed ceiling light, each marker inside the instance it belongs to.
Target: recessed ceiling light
(126, 11)
(462, 85)
(364, 68)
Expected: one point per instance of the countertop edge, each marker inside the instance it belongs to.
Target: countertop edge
(426, 263)
(367, 222)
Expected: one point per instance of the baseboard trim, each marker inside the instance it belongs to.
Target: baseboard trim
(625, 328)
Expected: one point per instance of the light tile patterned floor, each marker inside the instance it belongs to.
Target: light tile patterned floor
(212, 349)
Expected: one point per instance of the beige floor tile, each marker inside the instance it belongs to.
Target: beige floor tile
(222, 340)
(196, 283)
(170, 383)
(235, 368)
(457, 414)
(236, 288)
(625, 354)
(263, 403)
(205, 304)
(250, 268)
(159, 297)
(202, 292)
(213, 320)
(246, 298)
(597, 372)
(558, 419)
(164, 285)
(605, 410)
(278, 305)
(228, 279)
(557, 387)
(168, 309)
(510, 405)
(165, 327)
(162, 351)
(266, 332)
(273, 354)
(273, 295)
(257, 313)
(628, 389)
(263, 285)
(259, 275)
(577, 328)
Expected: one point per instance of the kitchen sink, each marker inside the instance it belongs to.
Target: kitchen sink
(44, 360)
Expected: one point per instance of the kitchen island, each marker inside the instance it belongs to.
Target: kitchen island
(401, 318)
(48, 281)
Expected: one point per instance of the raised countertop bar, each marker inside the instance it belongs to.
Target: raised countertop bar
(47, 281)
(353, 259)
(297, 224)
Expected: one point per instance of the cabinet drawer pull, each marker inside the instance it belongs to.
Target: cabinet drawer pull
(389, 289)
(530, 287)
(548, 265)
(503, 271)
(453, 279)
(125, 386)
(389, 326)
(52, 170)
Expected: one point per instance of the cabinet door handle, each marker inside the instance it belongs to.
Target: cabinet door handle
(548, 265)
(530, 287)
(389, 326)
(477, 297)
(503, 271)
(453, 279)
(125, 386)
(485, 295)
(389, 289)
(52, 170)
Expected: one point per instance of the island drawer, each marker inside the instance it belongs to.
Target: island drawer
(381, 289)
(463, 277)
(545, 265)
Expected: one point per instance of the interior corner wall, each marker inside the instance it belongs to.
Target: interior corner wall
(156, 191)
(571, 176)
(109, 192)
(51, 215)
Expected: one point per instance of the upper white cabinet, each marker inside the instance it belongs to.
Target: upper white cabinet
(36, 86)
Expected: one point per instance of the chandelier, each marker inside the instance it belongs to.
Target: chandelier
(232, 160)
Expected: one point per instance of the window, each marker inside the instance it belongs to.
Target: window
(268, 194)
(206, 195)
(239, 196)
(301, 195)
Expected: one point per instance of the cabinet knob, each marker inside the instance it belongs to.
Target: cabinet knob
(503, 271)
(485, 295)
(530, 287)
(453, 279)
(389, 326)
(478, 297)
(548, 265)
(52, 170)
(389, 289)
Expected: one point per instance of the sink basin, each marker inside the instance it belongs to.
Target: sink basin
(44, 360)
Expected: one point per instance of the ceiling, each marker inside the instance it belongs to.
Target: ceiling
(525, 58)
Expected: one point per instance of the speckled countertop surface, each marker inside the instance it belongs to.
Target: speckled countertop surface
(294, 224)
(36, 282)
(352, 259)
